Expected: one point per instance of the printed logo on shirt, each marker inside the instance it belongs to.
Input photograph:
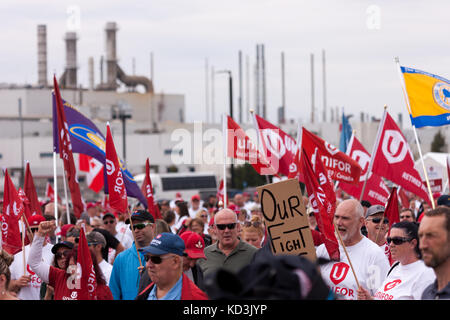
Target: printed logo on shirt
(392, 284)
(339, 272)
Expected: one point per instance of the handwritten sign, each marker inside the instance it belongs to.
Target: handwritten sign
(286, 219)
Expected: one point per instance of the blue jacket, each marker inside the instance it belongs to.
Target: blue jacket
(124, 281)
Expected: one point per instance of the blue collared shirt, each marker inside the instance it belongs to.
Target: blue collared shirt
(173, 294)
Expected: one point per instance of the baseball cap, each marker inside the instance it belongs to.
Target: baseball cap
(35, 220)
(194, 244)
(195, 197)
(108, 214)
(444, 200)
(66, 244)
(142, 215)
(165, 243)
(91, 205)
(64, 229)
(376, 208)
(95, 237)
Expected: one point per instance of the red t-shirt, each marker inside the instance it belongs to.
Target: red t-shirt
(64, 286)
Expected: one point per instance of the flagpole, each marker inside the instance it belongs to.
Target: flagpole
(374, 149)
(23, 248)
(225, 148)
(397, 60)
(258, 138)
(67, 199)
(55, 192)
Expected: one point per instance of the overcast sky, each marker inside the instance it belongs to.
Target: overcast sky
(360, 38)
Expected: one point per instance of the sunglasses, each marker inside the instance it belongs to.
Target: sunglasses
(397, 240)
(156, 259)
(256, 224)
(377, 220)
(230, 226)
(204, 216)
(109, 221)
(140, 226)
(33, 230)
(62, 254)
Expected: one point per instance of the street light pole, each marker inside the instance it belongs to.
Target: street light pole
(22, 170)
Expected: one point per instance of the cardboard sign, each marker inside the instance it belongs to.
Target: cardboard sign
(286, 219)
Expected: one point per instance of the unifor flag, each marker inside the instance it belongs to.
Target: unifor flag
(392, 211)
(323, 201)
(295, 167)
(94, 172)
(30, 191)
(116, 186)
(87, 288)
(26, 211)
(376, 191)
(61, 129)
(87, 139)
(12, 212)
(241, 147)
(340, 166)
(147, 189)
(393, 159)
(279, 147)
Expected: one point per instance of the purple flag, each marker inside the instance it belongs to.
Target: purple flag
(87, 139)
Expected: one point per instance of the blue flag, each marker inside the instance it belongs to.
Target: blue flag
(346, 133)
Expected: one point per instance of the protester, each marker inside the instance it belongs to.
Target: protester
(126, 270)
(242, 216)
(161, 226)
(443, 200)
(164, 206)
(434, 235)
(182, 213)
(24, 281)
(169, 217)
(195, 206)
(229, 252)
(194, 250)
(203, 215)
(5, 276)
(96, 241)
(368, 260)
(311, 219)
(197, 225)
(164, 258)
(409, 276)
(64, 229)
(212, 230)
(62, 280)
(407, 215)
(253, 232)
(110, 225)
(377, 227)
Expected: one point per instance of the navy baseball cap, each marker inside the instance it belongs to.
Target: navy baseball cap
(165, 243)
(66, 244)
(142, 215)
(444, 200)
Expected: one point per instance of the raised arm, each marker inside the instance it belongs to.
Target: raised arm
(35, 262)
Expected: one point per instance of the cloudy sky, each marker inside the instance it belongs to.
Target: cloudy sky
(360, 38)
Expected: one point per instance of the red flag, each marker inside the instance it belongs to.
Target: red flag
(391, 211)
(294, 168)
(116, 188)
(95, 176)
(241, 147)
(65, 153)
(403, 197)
(88, 280)
(147, 190)
(27, 210)
(394, 161)
(221, 193)
(50, 193)
(30, 192)
(278, 146)
(12, 211)
(376, 191)
(318, 185)
(340, 166)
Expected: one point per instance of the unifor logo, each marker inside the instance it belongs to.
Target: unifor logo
(394, 146)
(110, 168)
(339, 272)
(392, 284)
(363, 160)
(441, 94)
(274, 143)
(331, 149)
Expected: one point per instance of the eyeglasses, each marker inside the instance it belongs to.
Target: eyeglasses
(140, 226)
(256, 224)
(377, 220)
(109, 221)
(397, 240)
(230, 226)
(156, 259)
(62, 254)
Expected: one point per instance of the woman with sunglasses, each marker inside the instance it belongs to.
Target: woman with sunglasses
(409, 276)
(253, 232)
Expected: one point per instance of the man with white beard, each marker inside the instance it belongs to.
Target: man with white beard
(368, 260)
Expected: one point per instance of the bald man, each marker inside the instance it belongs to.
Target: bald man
(229, 252)
(368, 260)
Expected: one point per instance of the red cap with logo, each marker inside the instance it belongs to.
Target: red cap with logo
(35, 220)
(194, 244)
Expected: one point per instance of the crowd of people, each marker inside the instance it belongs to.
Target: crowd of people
(200, 250)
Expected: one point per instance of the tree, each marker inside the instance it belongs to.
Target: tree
(246, 174)
(438, 143)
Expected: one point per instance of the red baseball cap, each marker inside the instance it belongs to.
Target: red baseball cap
(35, 220)
(195, 197)
(64, 229)
(194, 244)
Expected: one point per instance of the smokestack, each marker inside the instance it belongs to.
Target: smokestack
(71, 60)
(283, 95)
(312, 89)
(263, 71)
(91, 73)
(42, 54)
(111, 57)
(324, 87)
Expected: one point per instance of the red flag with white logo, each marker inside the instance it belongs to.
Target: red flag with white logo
(279, 147)
(376, 191)
(50, 193)
(94, 172)
(241, 147)
(294, 168)
(394, 161)
(340, 166)
(116, 187)
(323, 201)
(27, 211)
(88, 279)
(147, 190)
(12, 212)
(392, 211)
(65, 153)
(30, 192)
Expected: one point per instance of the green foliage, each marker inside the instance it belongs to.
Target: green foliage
(249, 175)
(438, 143)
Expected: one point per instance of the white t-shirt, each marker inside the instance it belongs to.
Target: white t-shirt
(406, 282)
(369, 262)
(193, 212)
(32, 290)
(106, 270)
